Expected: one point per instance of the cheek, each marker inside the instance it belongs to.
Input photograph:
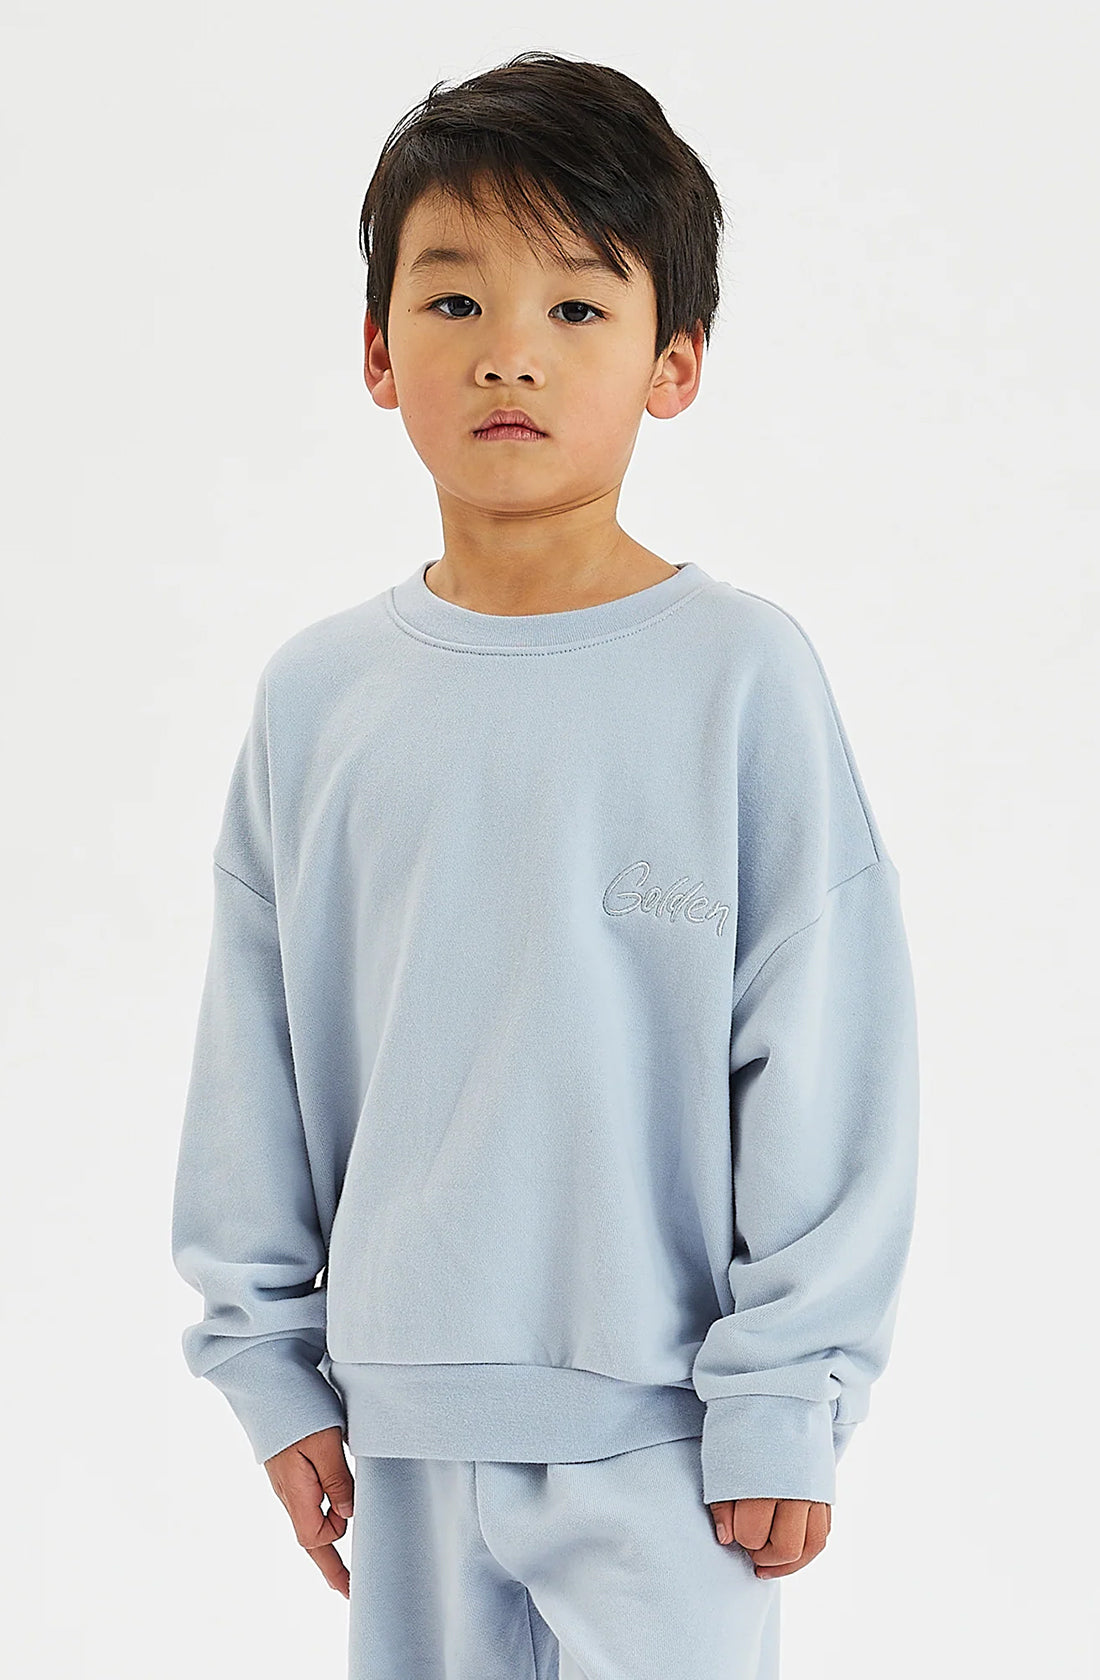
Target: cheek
(429, 406)
(602, 422)
(426, 385)
(608, 392)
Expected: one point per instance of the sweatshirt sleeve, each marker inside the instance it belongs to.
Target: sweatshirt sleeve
(823, 1093)
(245, 1231)
(823, 1083)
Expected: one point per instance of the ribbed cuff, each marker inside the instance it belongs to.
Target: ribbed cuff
(278, 1394)
(768, 1446)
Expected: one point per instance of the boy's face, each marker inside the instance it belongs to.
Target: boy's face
(505, 325)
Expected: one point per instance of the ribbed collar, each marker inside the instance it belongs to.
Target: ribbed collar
(421, 612)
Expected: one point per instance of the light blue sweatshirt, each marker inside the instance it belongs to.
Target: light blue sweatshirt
(559, 1012)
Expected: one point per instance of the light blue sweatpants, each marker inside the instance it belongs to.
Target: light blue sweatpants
(603, 1570)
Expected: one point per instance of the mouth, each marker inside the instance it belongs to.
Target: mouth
(509, 423)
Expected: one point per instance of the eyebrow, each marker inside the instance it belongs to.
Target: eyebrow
(448, 256)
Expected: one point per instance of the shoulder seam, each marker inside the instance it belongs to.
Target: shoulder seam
(234, 877)
(875, 863)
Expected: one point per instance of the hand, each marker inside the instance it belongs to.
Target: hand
(302, 1475)
(780, 1535)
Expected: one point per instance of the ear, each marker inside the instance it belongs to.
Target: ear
(377, 368)
(676, 377)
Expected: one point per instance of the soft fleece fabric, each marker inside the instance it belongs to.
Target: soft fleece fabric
(502, 1571)
(555, 1083)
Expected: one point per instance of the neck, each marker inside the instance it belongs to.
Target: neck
(517, 584)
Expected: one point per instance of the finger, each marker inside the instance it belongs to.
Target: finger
(722, 1516)
(818, 1522)
(299, 1487)
(787, 1537)
(781, 1569)
(752, 1521)
(817, 1527)
(332, 1567)
(336, 1478)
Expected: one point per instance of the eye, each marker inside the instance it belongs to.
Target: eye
(575, 303)
(460, 297)
(453, 297)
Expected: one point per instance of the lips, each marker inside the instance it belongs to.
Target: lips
(509, 419)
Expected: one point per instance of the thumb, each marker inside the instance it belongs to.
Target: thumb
(334, 1475)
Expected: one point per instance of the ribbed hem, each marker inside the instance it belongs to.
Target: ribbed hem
(420, 612)
(530, 1414)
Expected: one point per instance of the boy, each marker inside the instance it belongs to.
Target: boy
(558, 1006)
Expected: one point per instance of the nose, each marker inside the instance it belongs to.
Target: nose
(511, 375)
(512, 343)
(509, 361)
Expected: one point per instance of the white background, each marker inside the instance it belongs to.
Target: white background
(896, 439)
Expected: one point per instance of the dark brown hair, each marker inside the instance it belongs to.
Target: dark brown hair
(552, 138)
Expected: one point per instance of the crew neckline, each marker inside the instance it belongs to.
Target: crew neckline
(417, 609)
